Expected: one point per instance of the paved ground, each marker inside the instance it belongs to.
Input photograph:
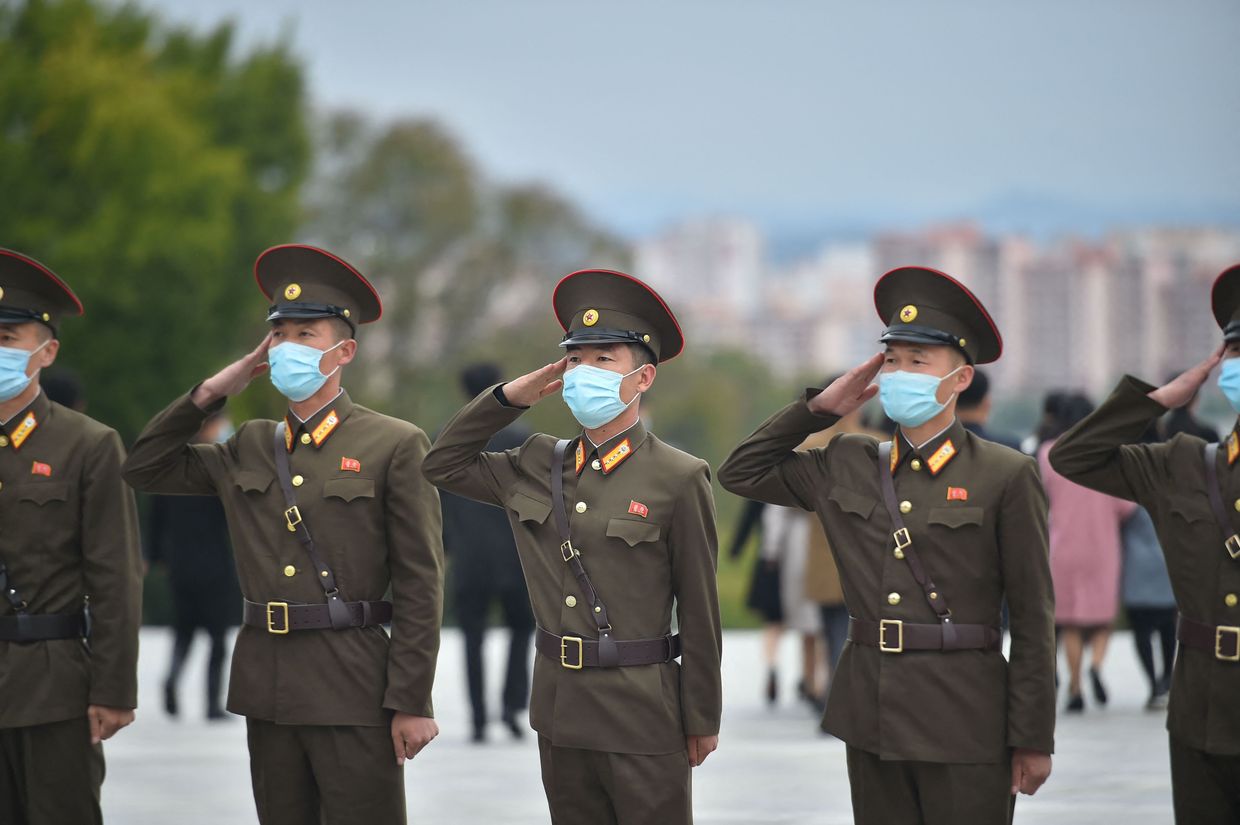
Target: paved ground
(773, 766)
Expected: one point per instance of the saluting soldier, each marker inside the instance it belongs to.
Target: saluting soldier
(327, 509)
(612, 528)
(931, 532)
(70, 571)
(1192, 492)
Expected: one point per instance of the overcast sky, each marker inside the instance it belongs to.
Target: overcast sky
(793, 111)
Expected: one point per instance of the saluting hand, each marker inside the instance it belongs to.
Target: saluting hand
(410, 734)
(1181, 389)
(533, 387)
(233, 378)
(850, 390)
(1030, 769)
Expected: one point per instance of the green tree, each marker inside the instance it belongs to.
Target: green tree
(148, 166)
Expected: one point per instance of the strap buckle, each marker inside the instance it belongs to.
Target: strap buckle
(1233, 546)
(565, 641)
(293, 516)
(272, 607)
(902, 538)
(567, 551)
(1220, 633)
(883, 625)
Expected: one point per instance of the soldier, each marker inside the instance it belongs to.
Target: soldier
(326, 510)
(1189, 490)
(931, 531)
(612, 527)
(70, 571)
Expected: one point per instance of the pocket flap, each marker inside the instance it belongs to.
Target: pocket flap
(851, 502)
(43, 492)
(349, 488)
(956, 516)
(252, 481)
(632, 531)
(529, 508)
(1191, 508)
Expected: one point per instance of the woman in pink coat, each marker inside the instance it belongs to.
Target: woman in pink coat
(1085, 554)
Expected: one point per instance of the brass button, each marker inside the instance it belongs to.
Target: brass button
(596, 464)
(4, 441)
(899, 553)
(581, 507)
(290, 571)
(571, 601)
(1238, 504)
(305, 438)
(1, 485)
(298, 481)
(915, 464)
(1230, 600)
(598, 610)
(893, 598)
(906, 506)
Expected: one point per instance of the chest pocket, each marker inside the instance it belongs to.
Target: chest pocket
(632, 532)
(42, 493)
(349, 489)
(252, 481)
(851, 502)
(1191, 508)
(956, 516)
(528, 508)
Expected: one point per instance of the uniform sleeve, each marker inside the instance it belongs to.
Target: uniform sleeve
(459, 462)
(1101, 451)
(112, 569)
(163, 460)
(415, 558)
(767, 467)
(1025, 559)
(695, 555)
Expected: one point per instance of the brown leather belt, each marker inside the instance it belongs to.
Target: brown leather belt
(896, 636)
(574, 652)
(279, 618)
(42, 627)
(1222, 641)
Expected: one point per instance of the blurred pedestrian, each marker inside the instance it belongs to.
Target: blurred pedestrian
(1085, 554)
(785, 542)
(189, 536)
(763, 596)
(485, 571)
(64, 387)
(973, 410)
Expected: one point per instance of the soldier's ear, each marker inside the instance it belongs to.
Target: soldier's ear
(47, 355)
(348, 350)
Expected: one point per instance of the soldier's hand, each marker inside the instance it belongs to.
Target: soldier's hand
(1181, 389)
(533, 387)
(105, 721)
(233, 378)
(850, 390)
(410, 734)
(700, 747)
(1030, 769)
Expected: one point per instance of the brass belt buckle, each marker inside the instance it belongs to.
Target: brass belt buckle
(564, 649)
(902, 538)
(293, 516)
(567, 551)
(1220, 633)
(1233, 546)
(898, 647)
(272, 607)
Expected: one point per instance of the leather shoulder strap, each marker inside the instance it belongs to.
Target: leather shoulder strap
(609, 654)
(337, 610)
(904, 542)
(1214, 491)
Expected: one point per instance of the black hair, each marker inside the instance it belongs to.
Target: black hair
(477, 377)
(973, 395)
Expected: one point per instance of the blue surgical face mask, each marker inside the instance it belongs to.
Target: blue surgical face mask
(295, 369)
(13, 364)
(1229, 382)
(911, 398)
(593, 395)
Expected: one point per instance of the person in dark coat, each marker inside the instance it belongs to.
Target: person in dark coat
(485, 569)
(973, 410)
(189, 534)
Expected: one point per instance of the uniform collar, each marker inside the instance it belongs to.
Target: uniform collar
(19, 429)
(611, 453)
(934, 455)
(316, 430)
